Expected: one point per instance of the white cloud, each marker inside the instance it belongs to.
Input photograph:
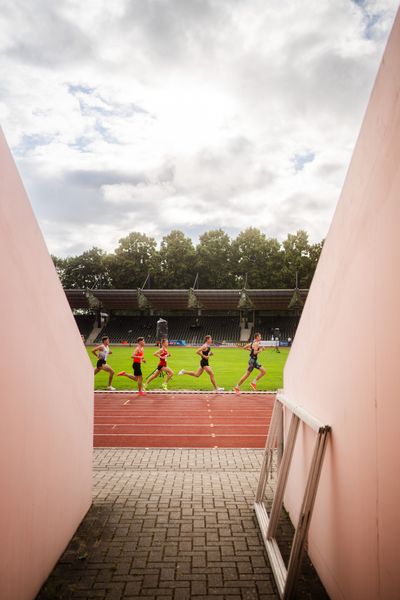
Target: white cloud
(194, 115)
(133, 196)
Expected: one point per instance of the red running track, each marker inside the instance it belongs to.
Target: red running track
(184, 420)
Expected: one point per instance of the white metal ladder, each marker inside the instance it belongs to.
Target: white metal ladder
(286, 579)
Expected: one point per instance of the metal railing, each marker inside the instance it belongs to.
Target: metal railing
(286, 578)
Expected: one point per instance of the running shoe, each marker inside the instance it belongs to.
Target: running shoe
(237, 389)
(142, 393)
(181, 372)
(164, 386)
(121, 373)
(111, 388)
(253, 386)
(220, 389)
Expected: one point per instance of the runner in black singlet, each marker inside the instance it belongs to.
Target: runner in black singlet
(204, 352)
(255, 349)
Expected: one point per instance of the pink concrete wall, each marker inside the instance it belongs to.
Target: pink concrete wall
(344, 366)
(46, 387)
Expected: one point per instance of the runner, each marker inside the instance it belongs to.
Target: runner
(204, 352)
(138, 359)
(162, 354)
(255, 349)
(101, 352)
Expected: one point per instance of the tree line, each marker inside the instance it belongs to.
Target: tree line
(250, 260)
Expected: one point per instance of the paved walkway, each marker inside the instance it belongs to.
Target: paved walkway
(171, 524)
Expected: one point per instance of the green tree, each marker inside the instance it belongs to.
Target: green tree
(59, 264)
(213, 260)
(315, 253)
(177, 261)
(254, 255)
(298, 258)
(87, 270)
(220, 262)
(133, 259)
(272, 271)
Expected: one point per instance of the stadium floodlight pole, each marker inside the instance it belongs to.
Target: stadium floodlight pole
(78, 268)
(145, 281)
(143, 301)
(94, 303)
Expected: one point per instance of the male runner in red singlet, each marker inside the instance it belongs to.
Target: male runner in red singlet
(138, 359)
(162, 354)
(204, 352)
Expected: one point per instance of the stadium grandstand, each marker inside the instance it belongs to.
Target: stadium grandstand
(230, 316)
(268, 327)
(85, 323)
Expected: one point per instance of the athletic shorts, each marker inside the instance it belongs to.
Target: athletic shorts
(101, 362)
(137, 369)
(161, 365)
(253, 364)
(204, 363)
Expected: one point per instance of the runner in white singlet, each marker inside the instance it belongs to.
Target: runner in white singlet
(101, 352)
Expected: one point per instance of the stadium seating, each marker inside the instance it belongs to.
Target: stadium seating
(85, 324)
(287, 327)
(191, 329)
(128, 329)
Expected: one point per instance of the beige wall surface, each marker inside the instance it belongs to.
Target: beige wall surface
(46, 390)
(344, 366)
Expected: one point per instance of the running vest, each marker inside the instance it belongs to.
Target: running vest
(204, 359)
(252, 355)
(139, 356)
(163, 356)
(104, 353)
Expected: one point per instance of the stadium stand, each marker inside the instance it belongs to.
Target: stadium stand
(127, 329)
(213, 301)
(191, 329)
(222, 310)
(287, 327)
(85, 324)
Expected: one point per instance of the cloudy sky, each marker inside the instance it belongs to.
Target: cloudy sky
(150, 115)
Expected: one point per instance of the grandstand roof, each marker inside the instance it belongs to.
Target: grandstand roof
(179, 299)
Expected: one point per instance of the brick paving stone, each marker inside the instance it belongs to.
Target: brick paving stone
(199, 588)
(176, 584)
(167, 574)
(182, 594)
(172, 524)
(199, 560)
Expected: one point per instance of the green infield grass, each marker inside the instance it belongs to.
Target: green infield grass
(228, 365)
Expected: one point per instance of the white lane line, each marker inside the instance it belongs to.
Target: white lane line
(178, 435)
(178, 425)
(183, 392)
